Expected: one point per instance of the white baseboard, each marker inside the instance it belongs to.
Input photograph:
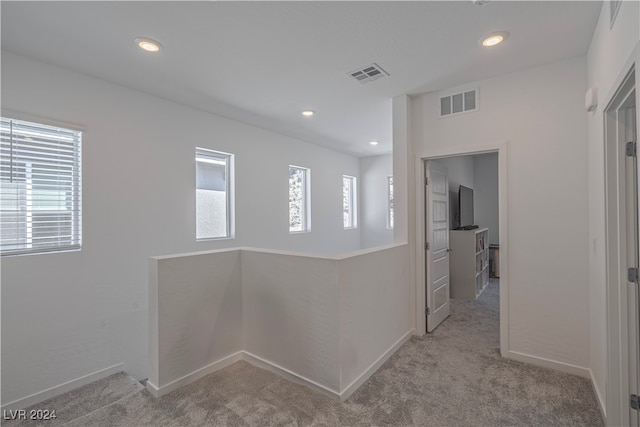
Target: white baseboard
(289, 375)
(355, 384)
(281, 371)
(599, 396)
(551, 364)
(567, 368)
(235, 357)
(48, 393)
(206, 370)
(194, 376)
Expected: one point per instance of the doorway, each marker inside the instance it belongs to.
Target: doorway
(426, 299)
(622, 253)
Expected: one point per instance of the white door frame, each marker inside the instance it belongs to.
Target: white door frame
(617, 382)
(429, 154)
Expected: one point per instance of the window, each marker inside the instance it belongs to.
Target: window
(214, 205)
(299, 221)
(349, 202)
(40, 188)
(389, 202)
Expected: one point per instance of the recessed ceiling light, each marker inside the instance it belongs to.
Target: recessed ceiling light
(373, 142)
(308, 113)
(494, 39)
(148, 45)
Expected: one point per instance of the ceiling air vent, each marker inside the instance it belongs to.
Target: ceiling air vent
(457, 103)
(369, 73)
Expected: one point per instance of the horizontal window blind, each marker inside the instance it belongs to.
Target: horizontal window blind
(40, 188)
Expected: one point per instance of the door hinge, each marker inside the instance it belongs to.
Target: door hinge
(631, 149)
(426, 246)
(428, 311)
(426, 180)
(634, 402)
(632, 275)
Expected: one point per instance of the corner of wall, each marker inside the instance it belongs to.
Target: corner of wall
(153, 321)
(402, 158)
(241, 252)
(599, 395)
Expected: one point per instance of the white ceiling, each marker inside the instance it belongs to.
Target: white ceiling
(263, 62)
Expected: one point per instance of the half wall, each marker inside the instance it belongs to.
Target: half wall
(326, 322)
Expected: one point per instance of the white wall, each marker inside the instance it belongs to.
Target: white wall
(375, 309)
(403, 165)
(326, 321)
(459, 172)
(485, 194)
(609, 51)
(197, 301)
(374, 171)
(539, 113)
(291, 312)
(404, 185)
(87, 310)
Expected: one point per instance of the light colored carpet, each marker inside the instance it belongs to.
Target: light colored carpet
(452, 377)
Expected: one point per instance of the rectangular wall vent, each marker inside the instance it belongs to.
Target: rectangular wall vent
(369, 73)
(457, 103)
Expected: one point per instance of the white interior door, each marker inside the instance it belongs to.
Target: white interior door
(630, 162)
(437, 247)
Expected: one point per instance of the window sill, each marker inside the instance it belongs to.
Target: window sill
(213, 239)
(42, 252)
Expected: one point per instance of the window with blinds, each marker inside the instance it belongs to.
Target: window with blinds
(40, 188)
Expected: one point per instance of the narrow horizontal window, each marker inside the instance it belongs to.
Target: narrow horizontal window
(213, 194)
(299, 219)
(349, 202)
(40, 188)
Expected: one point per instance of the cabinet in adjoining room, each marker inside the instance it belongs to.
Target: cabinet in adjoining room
(469, 260)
